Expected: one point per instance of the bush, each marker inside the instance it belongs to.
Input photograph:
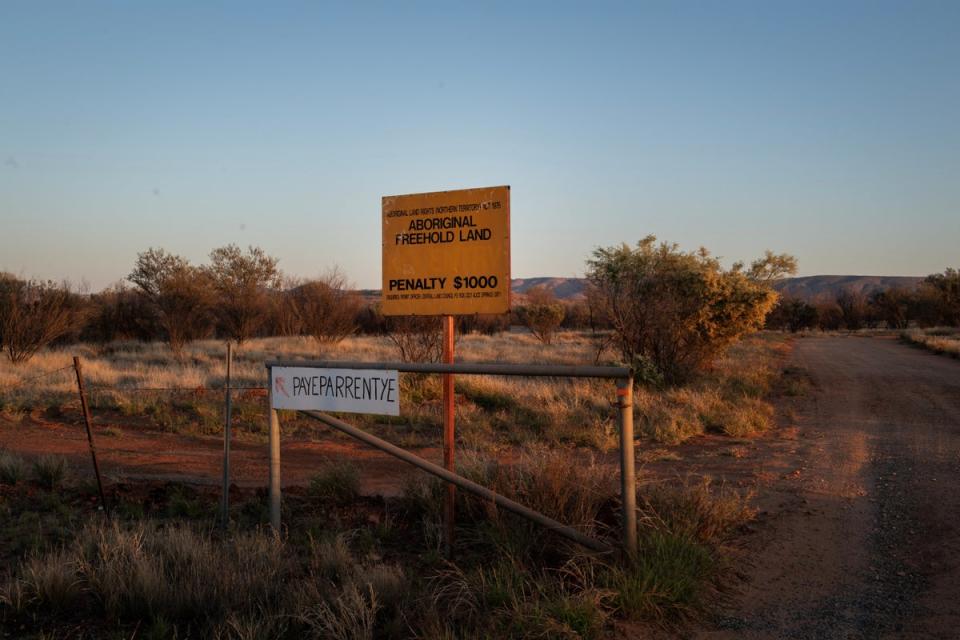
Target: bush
(418, 338)
(541, 313)
(853, 308)
(13, 469)
(326, 309)
(893, 306)
(676, 310)
(945, 289)
(486, 323)
(34, 313)
(120, 313)
(338, 481)
(829, 315)
(792, 314)
(50, 471)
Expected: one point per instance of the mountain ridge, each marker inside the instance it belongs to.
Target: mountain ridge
(804, 287)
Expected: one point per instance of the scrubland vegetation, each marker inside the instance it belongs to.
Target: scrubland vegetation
(349, 566)
(148, 386)
(355, 567)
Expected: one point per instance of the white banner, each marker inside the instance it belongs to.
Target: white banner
(348, 390)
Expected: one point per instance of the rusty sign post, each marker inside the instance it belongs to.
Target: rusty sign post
(449, 434)
(447, 253)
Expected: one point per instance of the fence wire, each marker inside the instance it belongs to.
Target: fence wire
(24, 381)
(174, 389)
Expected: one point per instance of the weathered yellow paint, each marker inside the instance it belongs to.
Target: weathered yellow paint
(430, 240)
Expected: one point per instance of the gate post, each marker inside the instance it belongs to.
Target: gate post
(274, 459)
(628, 475)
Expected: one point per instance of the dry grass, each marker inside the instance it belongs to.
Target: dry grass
(173, 578)
(492, 411)
(729, 400)
(940, 340)
(133, 364)
(126, 366)
(524, 583)
(250, 585)
(13, 468)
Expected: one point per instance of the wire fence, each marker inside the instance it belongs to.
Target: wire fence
(100, 387)
(200, 389)
(25, 381)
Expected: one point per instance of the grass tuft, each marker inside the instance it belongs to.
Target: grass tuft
(338, 481)
(668, 581)
(13, 468)
(50, 471)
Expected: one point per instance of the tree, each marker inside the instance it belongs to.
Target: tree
(576, 315)
(674, 312)
(327, 308)
(829, 315)
(946, 289)
(926, 306)
(284, 319)
(121, 313)
(770, 268)
(34, 313)
(243, 283)
(792, 314)
(541, 313)
(7, 283)
(853, 306)
(894, 306)
(179, 294)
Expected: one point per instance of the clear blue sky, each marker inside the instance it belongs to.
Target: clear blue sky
(830, 130)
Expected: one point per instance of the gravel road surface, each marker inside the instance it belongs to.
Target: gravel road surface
(868, 545)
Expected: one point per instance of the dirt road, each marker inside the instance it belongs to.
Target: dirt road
(130, 453)
(868, 545)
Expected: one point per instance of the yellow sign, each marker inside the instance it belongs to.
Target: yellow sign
(447, 253)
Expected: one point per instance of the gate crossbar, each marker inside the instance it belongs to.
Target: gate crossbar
(467, 485)
(470, 368)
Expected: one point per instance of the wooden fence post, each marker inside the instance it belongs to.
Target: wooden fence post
(88, 420)
(228, 405)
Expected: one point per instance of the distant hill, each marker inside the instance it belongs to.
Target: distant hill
(563, 288)
(811, 287)
(807, 288)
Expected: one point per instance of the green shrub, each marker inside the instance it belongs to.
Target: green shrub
(338, 481)
(679, 311)
(668, 580)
